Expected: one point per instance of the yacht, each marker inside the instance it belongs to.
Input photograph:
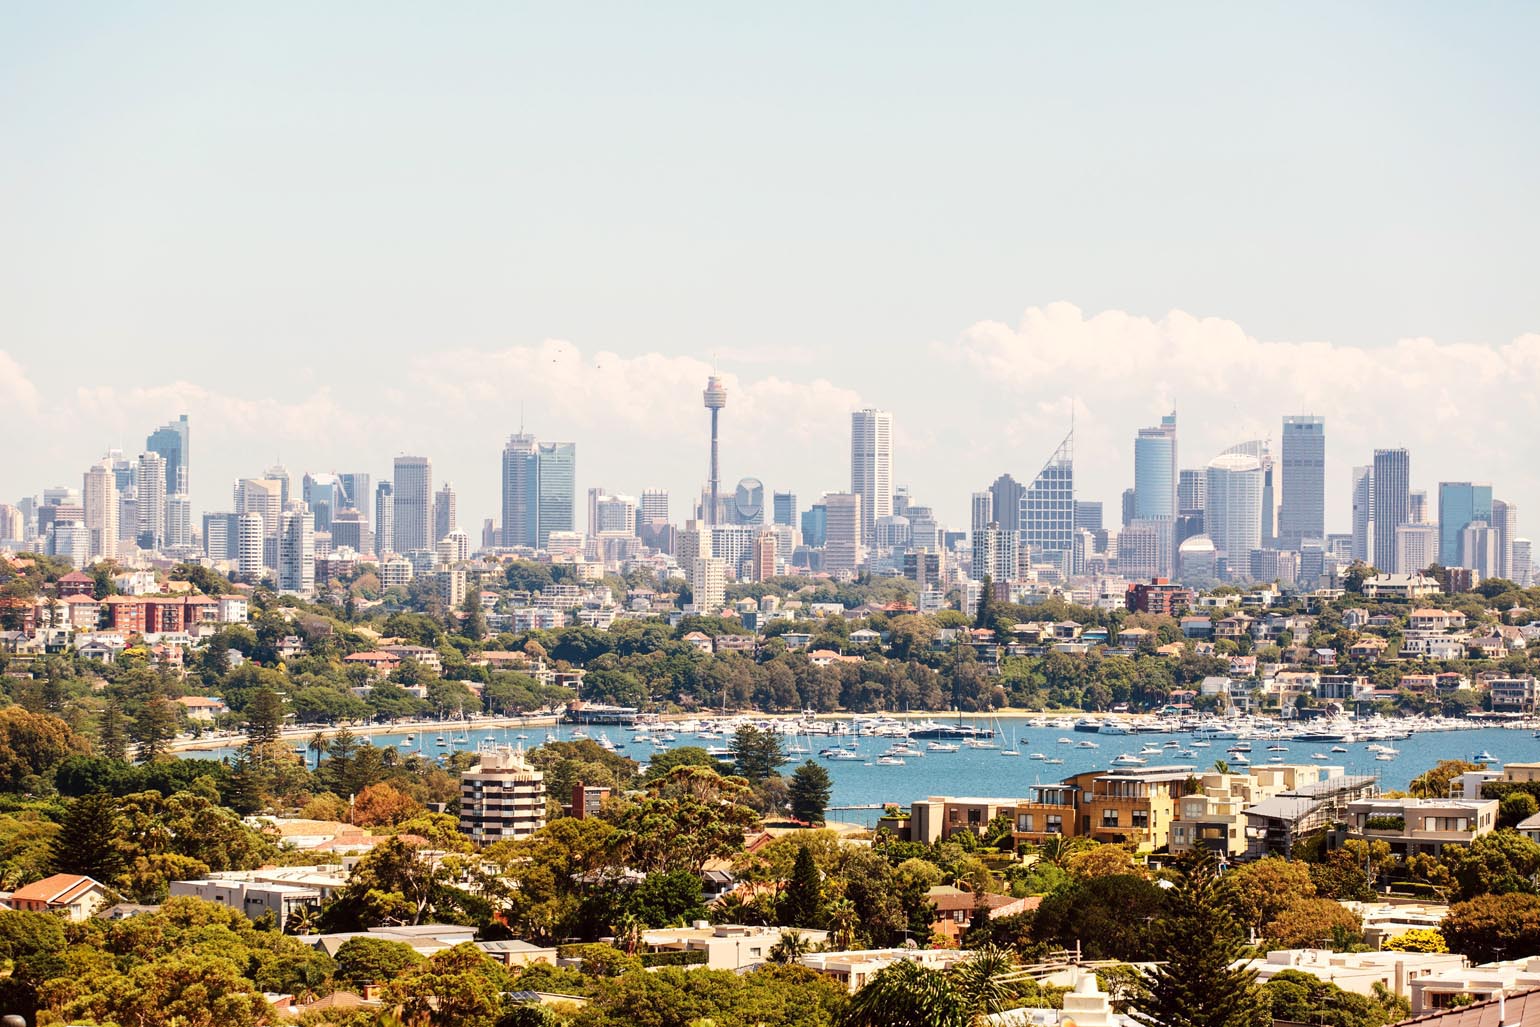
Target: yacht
(1319, 756)
(1128, 760)
(1088, 744)
(890, 761)
(1055, 760)
(1010, 752)
(941, 747)
(1037, 756)
(1066, 741)
(1484, 756)
(1239, 758)
(1339, 748)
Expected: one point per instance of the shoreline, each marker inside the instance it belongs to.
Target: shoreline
(235, 739)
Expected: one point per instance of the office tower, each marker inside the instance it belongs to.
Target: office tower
(871, 465)
(556, 489)
(1416, 548)
(715, 398)
(280, 474)
(178, 521)
(1197, 562)
(1128, 507)
(1419, 507)
(11, 527)
(748, 503)
(1232, 516)
(1145, 549)
(453, 548)
(250, 545)
(170, 443)
(1088, 514)
(1155, 474)
(296, 552)
(151, 476)
(924, 532)
(594, 495)
(1505, 526)
(99, 497)
(355, 492)
(324, 495)
(502, 796)
(350, 529)
(692, 543)
(842, 533)
(412, 504)
(1303, 514)
(124, 470)
(1261, 451)
(891, 533)
(614, 515)
(996, 554)
(765, 556)
(1392, 501)
(815, 525)
(1048, 505)
(784, 509)
(222, 536)
(70, 539)
(128, 517)
(384, 518)
(983, 511)
(263, 496)
(1191, 488)
(1363, 513)
(1478, 549)
(1523, 568)
(655, 505)
(1460, 503)
(1005, 503)
(521, 497)
(445, 515)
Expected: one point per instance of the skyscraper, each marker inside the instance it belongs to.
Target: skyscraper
(556, 487)
(1155, 474)
(99, 497)
(1191, 489)
(263, 496)
(1303, 514)
(983, 507)
(715, 398)
(170, 442)
(249, 545)
(413, 503)
(1392, 501)
(1232, 517)
(520, 494)
(324, 495)
(445, 515)
(815, 525)
(654, 505)
(1363, 513)
(871, 466)
(842, 540)
(1048, 504)
(178, 521)
(355, 492)
(296, 552)
(1505, 528)
(1460, 503)
(1088, 514)
(784, 509)
(151, 476)
(384, 518)
(1005, 503)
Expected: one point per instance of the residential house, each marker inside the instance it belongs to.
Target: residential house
(74, 895)
(1414, 826)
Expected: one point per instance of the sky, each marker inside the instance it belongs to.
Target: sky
(333, 234)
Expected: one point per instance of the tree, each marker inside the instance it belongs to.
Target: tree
(756, 752)
(1515, 808)
(1418, 939)
(381, 804)
(810, 790)
(1434, 783)
(364, 961)
(906, 994)
(1500, 863)
(1104, 861)
(31, 745)
(112, 732)
(667, 899)
(689, 816)
(1198, 984)
(801, 904)
(1492, 927)
(986, 982)
(1293, 995)
(154, 728)
(264, 718)
(474, 624)
(1109, 917)
(790, 948)
(1314, 923)
(460, 987)
(90, 838)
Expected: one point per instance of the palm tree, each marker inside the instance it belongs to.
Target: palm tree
(318, 746)
(986, 981)
(628, 932)
(304, 920)
(843, 919)
(906, 994)
(791, 947)
(1221, 766)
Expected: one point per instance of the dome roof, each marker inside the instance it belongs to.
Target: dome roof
(1196, 544)
(1235, 462)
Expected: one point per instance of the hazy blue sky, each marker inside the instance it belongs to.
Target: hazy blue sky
(333, 233)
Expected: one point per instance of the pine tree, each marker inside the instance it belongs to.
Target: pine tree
(89, 838)
(986, 611)
(474, 626)
(809, 793)
(801, 904)
(264, 721)
(1196, 984)
(112, 732)
(154, 728)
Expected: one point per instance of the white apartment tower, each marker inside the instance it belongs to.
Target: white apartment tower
(871, 466)
(296, 553)
(99, 496)
(501, 797)
(151, 508)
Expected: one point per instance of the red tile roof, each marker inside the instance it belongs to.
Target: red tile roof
(58, 889)
(1521, 1010)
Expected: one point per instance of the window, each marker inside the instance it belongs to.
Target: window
(1109, 818)
(1024, 822)
(1055, 823)
(1141, 818)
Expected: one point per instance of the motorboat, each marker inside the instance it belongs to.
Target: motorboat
(1037, 756)
(941, 747)
(890, 761)
(1128, 760)
(1319, 756)
(1010, 752)
(1055, 761)
(1087, 745)
(1485, 757)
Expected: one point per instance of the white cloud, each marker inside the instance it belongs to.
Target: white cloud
(18, 396)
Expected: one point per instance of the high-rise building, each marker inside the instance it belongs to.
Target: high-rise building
(70, 539)
(785, 509)
(654, 505)
(615, 515)
(502, 796)
(996, 554)
(1460, 503)
(296, 552)
(871, 466)
(842, 536)
(1146, 549)
(413, 504)
(324, 495)
(1303, 513)
(1155, 474)
(1523, 569)
(708, 583)
(1088, 514)
(99, 497)
(765, 556)
(263, 496)
(1191, 489)
(521, 496)
(983, 511)
(351, 529)
(1363, 513)
(221, 536)
(715, 399)
(556, 487)
(170, 442)
(1392, 501)
(1419, 507)
(1505, 526)
(151, 476)
(815, 525)
(1127, 507)
(445, 515)
(355, 491)
(179, 534)
(280, 474)
(250, 545)
(1416, 548)
(1048, 505)
(1478, 549)
(748, 502)
(384, 518)
(1005, 503)
(1232, 515)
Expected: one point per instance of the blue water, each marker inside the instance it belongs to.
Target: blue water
(984, 772)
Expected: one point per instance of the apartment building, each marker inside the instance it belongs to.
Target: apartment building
(501, 797)
(1413, 826)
